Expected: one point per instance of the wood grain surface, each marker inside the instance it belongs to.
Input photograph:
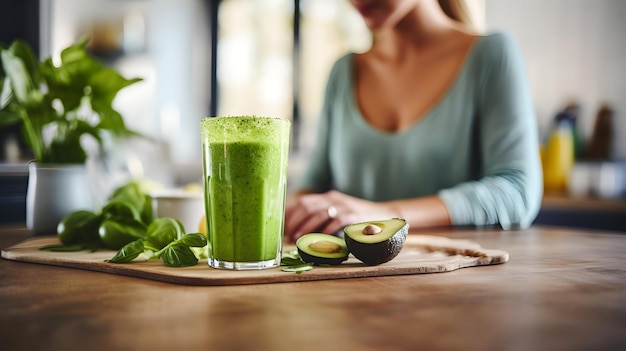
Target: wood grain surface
(420, 254)
(562, 289)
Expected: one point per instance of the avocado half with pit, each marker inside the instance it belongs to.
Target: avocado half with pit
(376, 242)
(322, 249)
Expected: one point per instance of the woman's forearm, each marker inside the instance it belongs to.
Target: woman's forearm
(422, 212)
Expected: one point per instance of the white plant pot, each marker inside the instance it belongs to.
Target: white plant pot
(55, 190)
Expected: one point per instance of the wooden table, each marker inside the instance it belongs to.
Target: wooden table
(561, 290)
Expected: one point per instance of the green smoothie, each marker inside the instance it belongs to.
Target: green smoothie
(245, 171)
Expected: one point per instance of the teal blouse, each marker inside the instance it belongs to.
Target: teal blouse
(477, 148)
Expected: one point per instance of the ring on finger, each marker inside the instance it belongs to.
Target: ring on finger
(331, 211)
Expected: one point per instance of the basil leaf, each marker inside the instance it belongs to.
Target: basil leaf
(129, 252)
(178, 254)
(121, 211)
(194, 240)
(163, 231)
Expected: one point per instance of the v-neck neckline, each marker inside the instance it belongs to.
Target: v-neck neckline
(461, 71)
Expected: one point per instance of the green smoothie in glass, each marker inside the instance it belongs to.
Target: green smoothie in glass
(245, 178)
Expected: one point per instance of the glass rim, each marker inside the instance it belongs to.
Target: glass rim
(245, 117)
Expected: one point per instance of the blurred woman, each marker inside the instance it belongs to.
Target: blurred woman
(434, 124)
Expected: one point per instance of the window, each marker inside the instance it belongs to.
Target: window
(274, 56)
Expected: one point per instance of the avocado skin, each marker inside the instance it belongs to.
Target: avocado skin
(316, 260)
(378, 253)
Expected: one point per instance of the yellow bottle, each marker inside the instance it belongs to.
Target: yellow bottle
(558, 159)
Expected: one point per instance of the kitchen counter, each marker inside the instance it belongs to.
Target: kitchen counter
(562, 289)
(583, 212)
(13, 184)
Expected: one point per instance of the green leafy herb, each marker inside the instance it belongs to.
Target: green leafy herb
(114, 234)
(79, 227)
(69, 248)
(163, 231)
(74, 98)
(135, 197)
(291, 262)
(129, 252)
(194, 240)
(298, 269)
(125, 224)
(178, 252)
(119, 210)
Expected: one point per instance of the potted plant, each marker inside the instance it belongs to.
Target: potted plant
(58, 105)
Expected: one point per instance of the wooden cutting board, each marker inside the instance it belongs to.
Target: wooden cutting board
(420, 254)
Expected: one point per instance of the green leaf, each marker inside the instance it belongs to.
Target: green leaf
(129, 252)
(289, 261)
(66, 146)
(6, 95)
(133, 194)
(22, 84)
(67, 150)
(178, 254)
(114, 234)
(163, 231)
(106, 83)
(110, 119)
(22, 50)
(62, 85)
(292, 254)
(146, 210)
(298, 269)
(194, 240)
(63, 248)
(121, 210)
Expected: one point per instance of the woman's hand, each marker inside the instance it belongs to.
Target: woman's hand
(329, 213)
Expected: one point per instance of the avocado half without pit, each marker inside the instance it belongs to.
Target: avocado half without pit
(376, 242)
(322, 249)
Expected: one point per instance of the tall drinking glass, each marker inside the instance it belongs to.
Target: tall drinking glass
(245, 179)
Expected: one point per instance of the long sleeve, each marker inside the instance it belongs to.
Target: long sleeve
(510, 191)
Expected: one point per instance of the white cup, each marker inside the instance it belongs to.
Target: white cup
(185, 206)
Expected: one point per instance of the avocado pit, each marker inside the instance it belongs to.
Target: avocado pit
(325, 246)
(371, 229)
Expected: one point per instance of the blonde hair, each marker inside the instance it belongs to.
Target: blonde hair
(468, 12)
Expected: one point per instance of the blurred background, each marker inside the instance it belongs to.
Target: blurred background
(271, 57)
